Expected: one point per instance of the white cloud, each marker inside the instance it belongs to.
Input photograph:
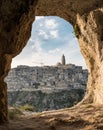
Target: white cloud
(36, 47)
(39, 17)
(51, 23)
(46, 58)
(36, 54)
(41, 25)
(54, 51)
(51, 57)
(54, 33)
(31, 40)
(43, 34)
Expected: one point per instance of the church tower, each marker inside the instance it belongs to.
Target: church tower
(63, 60)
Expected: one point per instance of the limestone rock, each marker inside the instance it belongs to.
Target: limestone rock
(47, 78)
(47, 87)
(16, 19)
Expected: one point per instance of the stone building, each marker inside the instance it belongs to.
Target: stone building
(63, 61)
(46, 78)
(47, 87)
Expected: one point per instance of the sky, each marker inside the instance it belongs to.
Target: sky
(51, 37)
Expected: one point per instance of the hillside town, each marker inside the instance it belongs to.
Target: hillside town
(47, 78)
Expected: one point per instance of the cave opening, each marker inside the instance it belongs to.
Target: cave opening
(51, 37)
(16, 20)
(39, 65)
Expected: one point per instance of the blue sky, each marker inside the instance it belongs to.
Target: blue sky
(50, 38)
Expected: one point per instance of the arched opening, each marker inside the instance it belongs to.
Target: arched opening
(16, 20)
(51, 85)
(51, 37)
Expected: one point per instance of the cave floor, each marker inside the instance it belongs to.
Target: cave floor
(84, 117)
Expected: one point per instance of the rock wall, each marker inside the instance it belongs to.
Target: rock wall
(47, 78)
(42, 101)
(47, 87)
(16, 18)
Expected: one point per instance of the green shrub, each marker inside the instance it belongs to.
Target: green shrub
(14, 113)
(27, 107)
(76, 30)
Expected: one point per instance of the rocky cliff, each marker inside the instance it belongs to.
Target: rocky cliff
(47, 87)
(16, 18)
(42, 101)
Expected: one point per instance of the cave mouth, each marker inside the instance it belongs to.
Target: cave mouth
(51, 37)
(16, 29)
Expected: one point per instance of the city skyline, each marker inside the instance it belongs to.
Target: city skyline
(50, 38)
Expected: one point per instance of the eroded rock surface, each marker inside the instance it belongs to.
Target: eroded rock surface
(16, 19)
(91, 44)
(46, 87)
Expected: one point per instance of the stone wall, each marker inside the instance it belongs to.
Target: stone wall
(42, 101)
(47, 87)
(47, 78)
(16, 18)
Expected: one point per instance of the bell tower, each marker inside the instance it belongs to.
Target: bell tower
(63, 60)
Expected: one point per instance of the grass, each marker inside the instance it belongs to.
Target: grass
(15, 113)
(76, 31)
(27, 107)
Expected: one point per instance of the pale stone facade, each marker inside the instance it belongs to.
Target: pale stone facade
(47, 78)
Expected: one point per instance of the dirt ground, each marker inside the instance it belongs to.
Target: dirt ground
(85, 117)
